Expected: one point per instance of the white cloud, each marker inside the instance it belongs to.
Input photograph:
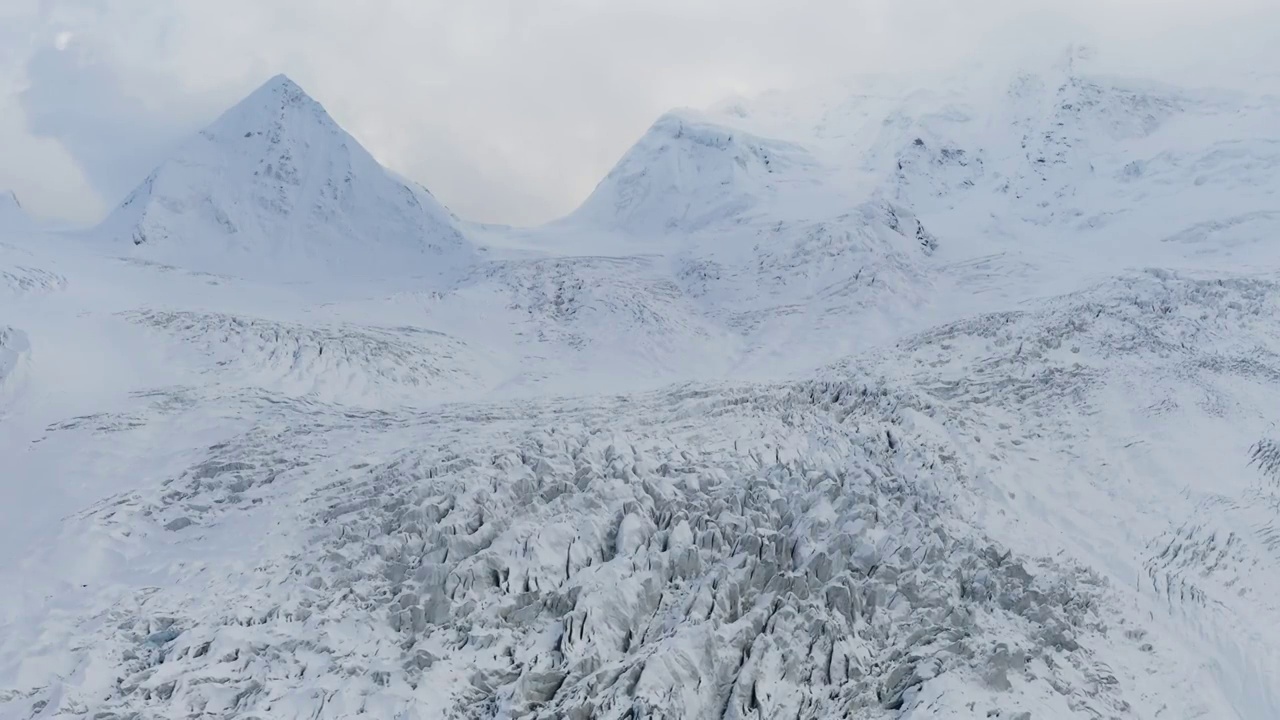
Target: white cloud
(509, 110)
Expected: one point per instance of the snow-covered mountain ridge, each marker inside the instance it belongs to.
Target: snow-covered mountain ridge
(895, 403)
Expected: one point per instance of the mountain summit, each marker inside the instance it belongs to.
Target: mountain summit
(275, 185)
(687, 174)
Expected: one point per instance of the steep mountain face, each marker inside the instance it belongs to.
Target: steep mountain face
(276, 186)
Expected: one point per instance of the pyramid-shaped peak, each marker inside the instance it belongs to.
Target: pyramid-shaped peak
(283, 83)
(278, 105)
(687, 173)
(275, 184)
(8, 199)
(279, 91)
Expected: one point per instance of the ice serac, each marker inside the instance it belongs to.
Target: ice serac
(686, 174)
(276, 186)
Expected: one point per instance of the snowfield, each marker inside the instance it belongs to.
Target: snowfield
(941, 403)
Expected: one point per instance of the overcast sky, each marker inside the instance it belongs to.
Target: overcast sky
(508, 110)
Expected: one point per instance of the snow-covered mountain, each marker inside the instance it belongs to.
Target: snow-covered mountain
(686, 174)
(275, 187)
(897, 402)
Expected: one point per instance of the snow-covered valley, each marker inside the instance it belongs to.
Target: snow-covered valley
(951, 403)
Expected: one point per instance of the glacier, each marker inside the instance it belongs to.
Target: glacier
(893, 402)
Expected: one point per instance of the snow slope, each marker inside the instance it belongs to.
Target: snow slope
(917, 403)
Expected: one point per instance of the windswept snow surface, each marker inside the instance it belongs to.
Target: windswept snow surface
(949, 403)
